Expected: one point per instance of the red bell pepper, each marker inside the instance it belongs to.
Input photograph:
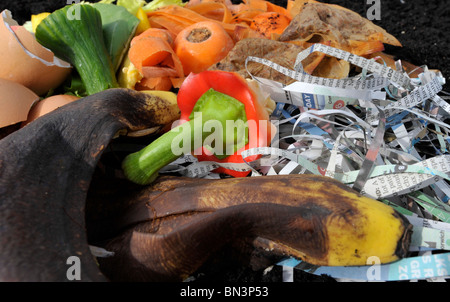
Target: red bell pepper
(232, 84)
(209, 97)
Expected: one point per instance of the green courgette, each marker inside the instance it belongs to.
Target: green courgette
(74, 33)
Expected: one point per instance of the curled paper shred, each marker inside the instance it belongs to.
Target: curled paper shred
(381, 132)
(424, 267)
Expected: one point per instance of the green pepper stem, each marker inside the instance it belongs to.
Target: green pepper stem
(142, 167)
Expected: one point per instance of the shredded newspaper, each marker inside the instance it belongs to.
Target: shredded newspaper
(380, 132)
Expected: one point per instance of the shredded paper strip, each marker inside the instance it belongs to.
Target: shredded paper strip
(381, 132)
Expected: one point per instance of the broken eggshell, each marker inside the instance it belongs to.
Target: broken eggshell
(25, 61)
(47, 105)
(15, 102)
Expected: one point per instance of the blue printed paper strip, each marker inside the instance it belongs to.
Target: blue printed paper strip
(412, 268)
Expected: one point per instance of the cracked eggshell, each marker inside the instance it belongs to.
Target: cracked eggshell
(15, 102)
(25, 61)
(47, 105)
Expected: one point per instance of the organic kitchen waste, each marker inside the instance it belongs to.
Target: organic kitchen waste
(336, 162)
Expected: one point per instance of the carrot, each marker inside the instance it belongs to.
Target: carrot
(154, 47)
(213, 10)
(174, 63)
(181, 15)
(176, 82)
(148, 51)
(155, 33)
(233, 8)
(158, 72)
(152, 54)
(364, 48)
(157, 83)
(201, 45)
(178, 12)
(175, 18)
(270, 23)
(171, 23)
(266, 6)
(245, 16)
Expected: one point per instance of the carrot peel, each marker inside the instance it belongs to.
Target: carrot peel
(201, 45)
(153, 56)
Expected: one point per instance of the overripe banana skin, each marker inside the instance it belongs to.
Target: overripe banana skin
(45, 173)
(174, 225)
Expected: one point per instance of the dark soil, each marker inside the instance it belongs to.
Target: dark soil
(422, 26)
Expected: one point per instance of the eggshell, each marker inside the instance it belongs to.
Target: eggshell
(15, 102)
(47, 105)
(25, 61)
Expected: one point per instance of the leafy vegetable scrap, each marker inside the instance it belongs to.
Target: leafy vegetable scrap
(92, 42)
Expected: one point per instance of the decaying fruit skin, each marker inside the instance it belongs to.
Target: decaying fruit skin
(170, 228)
(45, 172)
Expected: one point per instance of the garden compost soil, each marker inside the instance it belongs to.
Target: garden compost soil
(422, 26)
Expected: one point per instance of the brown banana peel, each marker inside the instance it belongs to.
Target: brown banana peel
(45, 173)
(170, 229)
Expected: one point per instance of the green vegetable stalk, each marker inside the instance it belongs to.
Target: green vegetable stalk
(214, 110)
(78, 39)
